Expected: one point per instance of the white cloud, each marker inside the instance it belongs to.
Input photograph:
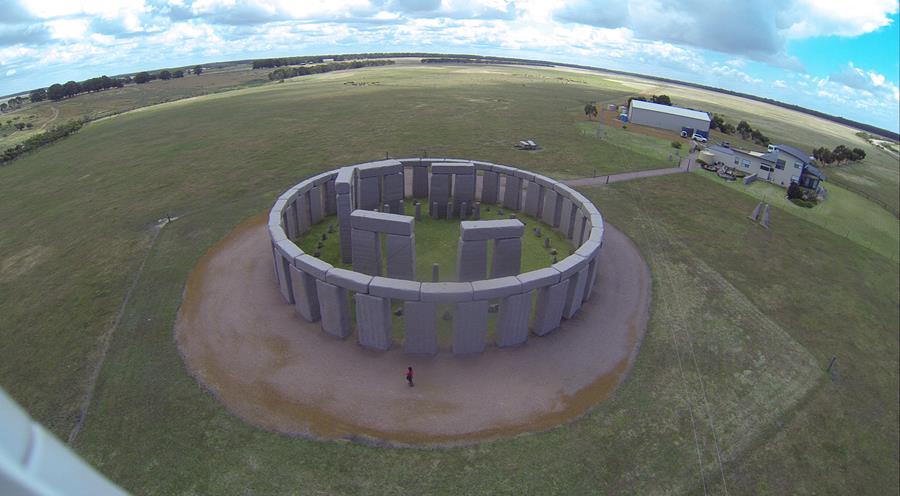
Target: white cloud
(838, 17)
(870, 82)
(732, 73)
(10, 72)
(778, 83)
(68, 29)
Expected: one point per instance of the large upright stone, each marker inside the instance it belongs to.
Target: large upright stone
(306, 297)
(382, 222)
(512, 321)
(507, 259)
(490, 185)
(344, 209)
(366, 252)
(512, 195)
(491, 229)
(315, 205)
(392, 192)
(532, 199)
(566, 218)
(440, 193)
(420, 327)
(578, 227)
(471, 260)
(550, 303)
(303, 218)
(593, 269)
(550, 209)
(330, 198)
(284, 277)
(420, 181)
(575, 292)
(401, 256)
(334, 306)
(463, 192)
(470, 327)
(289, 219)
(369, 194)
(373, 321)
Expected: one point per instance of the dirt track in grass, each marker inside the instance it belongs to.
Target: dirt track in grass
(274, 370)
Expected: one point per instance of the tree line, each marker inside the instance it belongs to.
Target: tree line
(660, 99)
(54, 134)
(289, 72)
(743, 129)
(479, 60)
(839, 155)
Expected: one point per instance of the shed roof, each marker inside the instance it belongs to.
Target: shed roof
(670, 109)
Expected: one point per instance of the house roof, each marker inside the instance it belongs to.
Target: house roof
(796, 152)
(670, 109)
(812, 169)
(721, 149)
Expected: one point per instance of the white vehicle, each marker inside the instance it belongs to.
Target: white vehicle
(699, 138)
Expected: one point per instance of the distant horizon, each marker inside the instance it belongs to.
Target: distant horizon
(835, 58)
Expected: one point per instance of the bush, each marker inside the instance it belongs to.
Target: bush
(676, 144)
(803, 203)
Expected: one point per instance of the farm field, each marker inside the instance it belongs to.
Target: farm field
(729, 392)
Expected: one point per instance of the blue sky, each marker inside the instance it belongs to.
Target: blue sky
(840, 57)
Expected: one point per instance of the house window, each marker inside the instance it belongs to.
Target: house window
(798, 165)
(746, 163)
(766, 168)
(735, 161)
(779, 164)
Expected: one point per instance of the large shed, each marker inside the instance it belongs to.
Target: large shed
(667, 117)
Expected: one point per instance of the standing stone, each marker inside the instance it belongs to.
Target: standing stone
(435, 272)
(373, 320)
(345, 208)
(289, 219)
(490, 185)
(550, 303)
(575, 293)
(386, 208)
(315, 205)
(369, 194)
(765, 217)
(392, 192)
(440, 193)
(330, 198)
(566, 218)
(418, 211)
(470, 327)
(303, 217)
(593, 268)
(507, 259)
(755, 214)
(550, 210)
(471, 260)
(420, 327)
(512, 321)
(401, 256)
(306, 297)
(366, 252)
(434, 210)
(513, 192)
(334, 306)
(578, 229)
(463, 210)
(476, 214)
(532, 198)
(547, 242)
(420, 181)
(284, 277)
(463, 192)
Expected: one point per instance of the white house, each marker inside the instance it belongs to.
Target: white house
(781, 165)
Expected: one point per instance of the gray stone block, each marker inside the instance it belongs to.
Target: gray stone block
(470, 327)
(507, 258)
(489, 187)
(549, 311)
(439, 190)
(471, 260)
(538, 278)
(575, 293)
(446, 292)
(382, 222)
(368, 196)
(475, 230)
(596, 234)
(532, 198)
(316, 211)
(513, 193)
(420, 182)
(452, 168)
(392, 190)
(289, 218)
(344, 209)
(303, 218)
(570, 265)
(313, 266)
(566, 218)
(366, 252)
(306, 297)
(420, 327)
(373, 322)
(401, 256)
(464, 188)
(330, 196)
(588, 250)
(550, 209)
(488, 289)
(512, 321)
(395, 288)
(578, 228)
(755, 214)
(283, 266)
(348, 279)
(593, 269)
(524, 175)
(379, 168)
(544, 181)
(334, 308)
(288, 250)
(344, 180)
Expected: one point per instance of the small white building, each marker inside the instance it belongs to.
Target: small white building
(668, 117)
(781, 165)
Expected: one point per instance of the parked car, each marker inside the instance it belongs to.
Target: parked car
(699, 138)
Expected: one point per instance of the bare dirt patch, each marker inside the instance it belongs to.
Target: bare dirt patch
(22, 262)
(276, 371)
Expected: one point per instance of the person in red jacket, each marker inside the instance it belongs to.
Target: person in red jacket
(409, 376)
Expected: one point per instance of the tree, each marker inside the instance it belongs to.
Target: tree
(717, 122)
(759, 137)
(198, 69)
(20, 126)
(638, 98)
(727, 128)
(661, 99)
(71, 88)
(141, 77)
(178, 74)
(590, 110)
(744, 129)
(4, 107)
(857, 154)
(794, 191)
(55, 92)
(165, 75)
(841, 154)
(38, 95)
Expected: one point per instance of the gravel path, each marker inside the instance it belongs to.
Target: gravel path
(278, 372)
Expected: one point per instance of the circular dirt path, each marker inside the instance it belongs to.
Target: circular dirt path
(276, 371)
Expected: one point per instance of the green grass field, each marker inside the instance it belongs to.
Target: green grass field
(728, 394)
